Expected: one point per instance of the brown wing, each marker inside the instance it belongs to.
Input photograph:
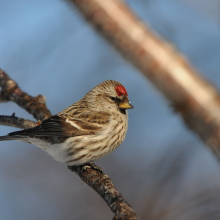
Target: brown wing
(83, 123)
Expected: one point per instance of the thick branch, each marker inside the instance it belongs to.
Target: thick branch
(97, 180)
(193, 97)
(10, 91)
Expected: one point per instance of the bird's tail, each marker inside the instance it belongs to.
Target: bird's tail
(17, 135)
(8, 138)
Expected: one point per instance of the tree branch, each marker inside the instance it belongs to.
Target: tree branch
(10, 91)
(16, 122)
(196, 100)
(97, 180)
(102, 184)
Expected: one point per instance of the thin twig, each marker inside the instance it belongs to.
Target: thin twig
(16, 122)
(196, 100)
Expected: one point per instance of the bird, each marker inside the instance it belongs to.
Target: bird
(85, 131)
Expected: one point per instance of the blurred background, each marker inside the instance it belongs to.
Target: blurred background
(162, 169)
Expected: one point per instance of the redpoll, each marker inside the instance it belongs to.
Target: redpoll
(85, 131)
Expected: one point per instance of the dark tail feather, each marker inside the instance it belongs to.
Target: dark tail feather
(17, 135)
(11, 137)
(8, 138)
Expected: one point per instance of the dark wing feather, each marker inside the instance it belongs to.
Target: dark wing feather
(68, 125)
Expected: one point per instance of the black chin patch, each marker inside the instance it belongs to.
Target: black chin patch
(123, 111)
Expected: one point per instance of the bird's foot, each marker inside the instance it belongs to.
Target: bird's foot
(85, 167)
(91, 164)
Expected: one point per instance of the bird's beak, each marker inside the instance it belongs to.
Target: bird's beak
(125, 104)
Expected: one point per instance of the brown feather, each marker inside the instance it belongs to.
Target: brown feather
(87, 123)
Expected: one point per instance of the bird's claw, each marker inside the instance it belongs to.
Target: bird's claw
(91, 164)
(86, 166)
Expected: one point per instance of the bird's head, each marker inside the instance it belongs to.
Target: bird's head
(109, 96)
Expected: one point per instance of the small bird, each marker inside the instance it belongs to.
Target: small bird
(85, 131)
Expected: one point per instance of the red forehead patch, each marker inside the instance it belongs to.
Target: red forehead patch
(121, 90)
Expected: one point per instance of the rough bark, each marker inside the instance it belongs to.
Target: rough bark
(102, 184)
(16, 122)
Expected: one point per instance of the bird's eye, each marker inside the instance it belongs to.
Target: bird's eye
(113, 98)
